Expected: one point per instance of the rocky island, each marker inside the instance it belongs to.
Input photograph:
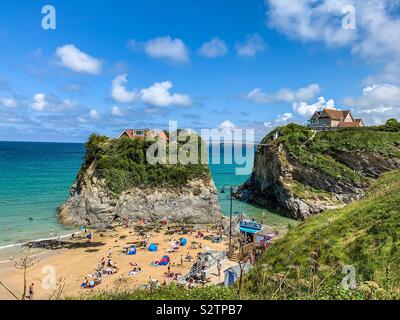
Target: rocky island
(116, 182)
(300, 172)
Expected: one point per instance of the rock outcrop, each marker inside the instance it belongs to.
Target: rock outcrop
(91, 203)
(282, 182)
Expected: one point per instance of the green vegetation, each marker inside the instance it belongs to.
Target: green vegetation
(308, 261)
(392, 125)
(123, 165)
(170, 292)
(316, 151)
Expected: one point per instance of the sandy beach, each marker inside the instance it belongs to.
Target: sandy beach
(79, 259)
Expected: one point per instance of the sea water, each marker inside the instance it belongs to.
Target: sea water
(35, 179)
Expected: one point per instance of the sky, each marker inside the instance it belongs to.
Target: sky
(104, 66)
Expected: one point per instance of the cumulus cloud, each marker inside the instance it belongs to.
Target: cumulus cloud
(214, 48)
(116, 111)
(375, 36)
(284, 117)
(74, 59)
(377, 96)
(227, 125)
(284, 95)
(39, 102)
(159, 95)
(94, 115)
(9, 102)
(377, 103)
(251, 46)
(119, 91)
(307, 110)
(167, 48)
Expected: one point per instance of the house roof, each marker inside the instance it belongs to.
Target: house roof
(316, 115)
(334, 114)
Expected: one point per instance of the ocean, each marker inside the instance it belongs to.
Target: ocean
(35, 179)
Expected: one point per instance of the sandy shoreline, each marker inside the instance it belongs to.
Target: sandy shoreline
(80, 258)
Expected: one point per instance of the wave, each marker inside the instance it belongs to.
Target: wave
(37, 240)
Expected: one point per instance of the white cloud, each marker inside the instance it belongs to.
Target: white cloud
(39, 102)
(307, 110)
(116, 111)
(309, 20)
(253, 45)
(119, 91)
(214, 48)
(159, 95)
(284, 95)
(76, 60)
(94, 115)
(9, 102)
(167, 48)
(267, 124)
(379, 98)
(227, 125)
(375, 37)
(284, 117)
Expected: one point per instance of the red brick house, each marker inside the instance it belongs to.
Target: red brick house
(333, 118)
(143, 134)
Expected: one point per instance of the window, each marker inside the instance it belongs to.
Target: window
(139, 133)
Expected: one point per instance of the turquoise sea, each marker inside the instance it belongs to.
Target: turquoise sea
(35, 179)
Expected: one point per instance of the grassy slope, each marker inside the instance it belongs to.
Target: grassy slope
(364, 234)
(314, 151)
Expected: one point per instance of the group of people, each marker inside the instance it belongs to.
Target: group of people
(106, 266)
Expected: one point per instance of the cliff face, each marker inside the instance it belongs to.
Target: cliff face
(300, 173)
(92, 203)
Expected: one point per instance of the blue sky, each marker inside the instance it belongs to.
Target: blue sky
(111, 65)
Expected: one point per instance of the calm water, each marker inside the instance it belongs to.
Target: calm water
(35, 179)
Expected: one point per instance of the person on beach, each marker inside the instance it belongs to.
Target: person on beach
(31, 292)
(219, 267)
(182, 260)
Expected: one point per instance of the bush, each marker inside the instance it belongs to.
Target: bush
(123, 164)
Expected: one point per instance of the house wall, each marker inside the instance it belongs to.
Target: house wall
(348, 118)
(334, 123)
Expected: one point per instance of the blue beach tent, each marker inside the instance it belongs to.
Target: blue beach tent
(132, 250)
(164, 261)
(183, 242)
(152, 247)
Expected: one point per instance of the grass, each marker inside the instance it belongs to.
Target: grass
(364, 234)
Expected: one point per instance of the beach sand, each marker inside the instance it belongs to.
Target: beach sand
(80, 260)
